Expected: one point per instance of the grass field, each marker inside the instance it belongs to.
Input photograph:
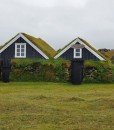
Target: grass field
(56, 106)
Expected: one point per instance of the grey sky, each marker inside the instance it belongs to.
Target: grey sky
(59, 21)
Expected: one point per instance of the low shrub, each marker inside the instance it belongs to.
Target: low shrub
(39, 70)
(58, 70)
(98, 71)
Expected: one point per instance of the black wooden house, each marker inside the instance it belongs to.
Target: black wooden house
(81, 50)
(26, 46)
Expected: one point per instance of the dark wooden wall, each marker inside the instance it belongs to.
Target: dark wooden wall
(9, 53)
(86, 55)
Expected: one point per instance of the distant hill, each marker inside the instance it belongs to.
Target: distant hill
(109, 53)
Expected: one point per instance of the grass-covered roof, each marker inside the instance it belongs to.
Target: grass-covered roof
(1, 47)
(42, 45)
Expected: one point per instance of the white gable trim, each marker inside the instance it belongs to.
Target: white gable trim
(92, 51)
(87, 47)
(36, 48)
(29, 42)
(12, 41)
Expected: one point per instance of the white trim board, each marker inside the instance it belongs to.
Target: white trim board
(87, 47)
(29, 42)
(11, 42)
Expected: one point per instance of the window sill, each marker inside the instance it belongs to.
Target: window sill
(19, 57)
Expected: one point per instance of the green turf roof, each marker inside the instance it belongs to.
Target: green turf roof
(88, 44)
(1, 47)
(42, 45)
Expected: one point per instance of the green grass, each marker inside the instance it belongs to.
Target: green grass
(56, 106)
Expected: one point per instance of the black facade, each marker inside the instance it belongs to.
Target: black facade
(77, 73)
(86, 55)
(9, 52)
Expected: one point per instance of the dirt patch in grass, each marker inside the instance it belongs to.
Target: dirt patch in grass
(106, 102)
(40, 97)
(74, 99)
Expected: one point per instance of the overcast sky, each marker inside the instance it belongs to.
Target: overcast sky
(59, 21)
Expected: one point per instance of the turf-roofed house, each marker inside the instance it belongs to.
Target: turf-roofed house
(26, 46)
(79, 49)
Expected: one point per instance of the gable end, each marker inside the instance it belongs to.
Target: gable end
(77, 40)
(29, 42)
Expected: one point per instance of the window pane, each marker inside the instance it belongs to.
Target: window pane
(77, 54)
(18, 46)
(18, 54)
(18, 50)
(22, 54)
(77, 50)
(22, 46)
(22, 50)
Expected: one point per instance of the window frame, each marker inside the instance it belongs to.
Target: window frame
(20, 52)
(75, 52)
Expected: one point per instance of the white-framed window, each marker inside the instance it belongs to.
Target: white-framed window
(20, 50)
(78, 53)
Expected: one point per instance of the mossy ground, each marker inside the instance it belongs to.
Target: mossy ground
(56, 106)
